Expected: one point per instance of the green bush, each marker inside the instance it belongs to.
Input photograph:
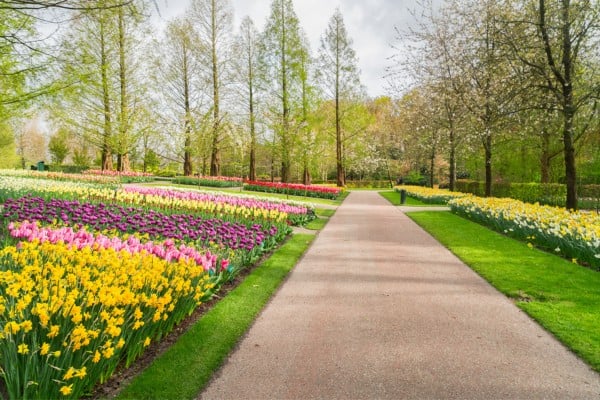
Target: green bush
(543, 193)
(190, 180)
(376, 184)
(68, 169)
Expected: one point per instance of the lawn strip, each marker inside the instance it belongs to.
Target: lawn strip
(561, 296)
(319, 223)
(183, 370)
(394, 198)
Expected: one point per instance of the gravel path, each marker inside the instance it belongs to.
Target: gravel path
(377, 309)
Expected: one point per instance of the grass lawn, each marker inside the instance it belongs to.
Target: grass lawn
(394, 198)
(183, 370)
(561, 296)
(323, 216)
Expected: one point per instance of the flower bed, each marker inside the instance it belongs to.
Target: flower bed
(217, 204)
(252, 239)
(122, 176)
(245, 207)
(70, 316)
(429, 195)
(294, 189)
(11, 187)
(91, 285)
(574, 235)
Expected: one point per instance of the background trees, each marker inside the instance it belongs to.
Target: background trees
(339, 77)
(520, 77)
(497, 91)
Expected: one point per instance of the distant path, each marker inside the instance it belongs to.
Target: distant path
(377, 309)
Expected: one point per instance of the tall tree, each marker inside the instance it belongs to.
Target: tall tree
(568, 33)
(339, 77)
(486, 73)
(177, 69)
(249, 74)
(214, 23)
(282, 52)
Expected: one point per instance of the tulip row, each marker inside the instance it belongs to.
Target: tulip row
(202, 232)
(429, 195)
(59, 176)
(80, 238)
(219, 203)
(575, 235)
(238, 207)
(75, 302)
(326, 192)
(122, 176)
(69, 316)
(11, 187)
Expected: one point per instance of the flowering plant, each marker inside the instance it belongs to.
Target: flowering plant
(575, 235)
(326, 192)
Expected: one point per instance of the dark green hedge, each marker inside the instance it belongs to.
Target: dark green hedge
(544, 193)
(190, 180)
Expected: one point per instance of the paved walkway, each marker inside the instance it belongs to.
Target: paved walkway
(377, 309)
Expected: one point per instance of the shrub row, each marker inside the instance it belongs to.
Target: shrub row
(206, 181)
(543, 193)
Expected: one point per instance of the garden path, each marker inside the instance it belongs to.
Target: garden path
(379, 309)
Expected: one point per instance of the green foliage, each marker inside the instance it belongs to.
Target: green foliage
(368, 184)
(58, 146)
(563, 297)
(414, 178)
(8, 152)
(190, 180)
(151, 160)
(543, 193)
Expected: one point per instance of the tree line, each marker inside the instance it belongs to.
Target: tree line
(188, 96)
(488, 90)
(515, 81)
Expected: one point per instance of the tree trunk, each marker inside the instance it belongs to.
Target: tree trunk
(187, 153)
(215, 159)
(187, 157)
(569, 151)
(285, 151)
(488, 165)
(568, 110)
(452, 180)
(545, 157)
(341, 176)
(306, 178)
(106, 157)
(123, 126)
(252, 167)
(432, 167)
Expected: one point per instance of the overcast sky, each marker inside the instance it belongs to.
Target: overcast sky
(370, 24)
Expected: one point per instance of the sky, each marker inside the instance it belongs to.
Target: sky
(370, 24)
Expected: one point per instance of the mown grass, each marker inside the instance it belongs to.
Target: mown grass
(323, 216)
(563, 297)
(394, 198)
(183, 370)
